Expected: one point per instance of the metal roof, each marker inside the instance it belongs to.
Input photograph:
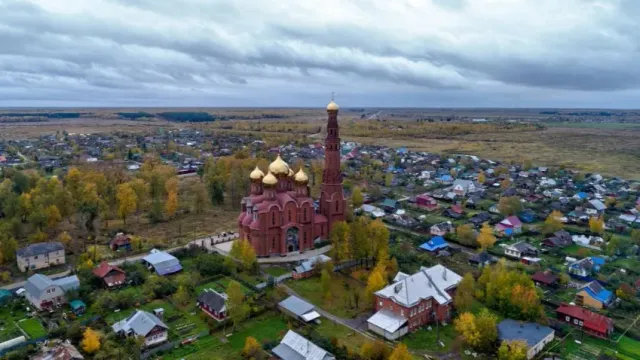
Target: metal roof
(163, 263)
(387, 320)
(39, 249)
(36, 284)
(140, 323)
(425, 284)
(296, 305)
(296, 347)
(532, 333)
(68, 283)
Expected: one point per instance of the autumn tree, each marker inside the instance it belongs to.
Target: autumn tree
(340, 239)
(53, 216)
(596, 224)
(252, 348)
(245, 253)
(375, 282)
(466, 235)
(378, 236)
(141, 188)
(482, 178)
(465, 325)
(401, 352)
(374, 350)
(357, 198)
(505, 183)
(127, 201)
(325, 281)
(464, 293)
(200, 200)
(486, 239)
(513, 350)
(8, 247)
(90, 341)
(553, 223)
(182, 296)
(237, 307)
(361, 246)
(171, 206)
(480, 332)
(509, 205)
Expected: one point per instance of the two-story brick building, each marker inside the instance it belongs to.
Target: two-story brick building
(40, 255)
(413, 301)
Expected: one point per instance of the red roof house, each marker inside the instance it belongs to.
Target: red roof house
(546, 278)
(120, 241)
(111, 275)
(509, 225)
(590, 322)
(426, 201)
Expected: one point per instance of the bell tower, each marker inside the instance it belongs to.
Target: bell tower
(332, 201)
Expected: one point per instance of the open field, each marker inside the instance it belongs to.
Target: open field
(341, 302)
(33, 328)
(220, 285)
(264, 328)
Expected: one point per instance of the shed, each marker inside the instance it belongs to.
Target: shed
(163, 263)
(298, 308)
(78, 306)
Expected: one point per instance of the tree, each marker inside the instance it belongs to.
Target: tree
(464, 293)
(244, 252)
(596, 224)
(325, 280)
(553, 223)
(90, 341)
(378, 236)
(374, 350)
(127, 201)
(252, 348)
(486, 239)
(509, 205)
(635, 236)
(53, 216)
(465, 325)
(8, 249)
(480, 332)
(360, 244)
(466, 235)
(356, 197)
(172, 204)
(513, 350)
(505, 183)
(200, 200)
(340, 239)
(401, 352)
(482, 177)
(611, 201)
(375, 282)
(238, 308)
(182, 296)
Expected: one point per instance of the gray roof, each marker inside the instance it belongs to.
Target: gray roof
(532, 333)
(140, 323)
(39, 249)
(310, 263)
(68, 283)
(213, 300)
(36, 284)
(297, 347)
(598, 205)
(163, 262)
(433, 282)
(296, 305)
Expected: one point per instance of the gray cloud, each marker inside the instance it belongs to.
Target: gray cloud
(290, 53)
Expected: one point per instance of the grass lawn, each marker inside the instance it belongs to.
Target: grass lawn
(264, 328)
(220, 285)
(33, 328)
(629, 347)
(8, 323)
(205, 348)
(276, 270)
(345, 336)
(342, 290)
(425, 339)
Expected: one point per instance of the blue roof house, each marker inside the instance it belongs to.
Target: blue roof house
(535, 335)
(434, 244)
(593, 295)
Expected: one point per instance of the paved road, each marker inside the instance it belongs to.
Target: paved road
(20, 284)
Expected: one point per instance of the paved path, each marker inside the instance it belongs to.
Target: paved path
(20, 284)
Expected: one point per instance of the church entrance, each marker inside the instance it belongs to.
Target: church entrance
(293, 239)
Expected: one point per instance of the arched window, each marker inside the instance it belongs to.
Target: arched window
(290, 217)
(273, 218)
(273, 243)
(337, 204)
(304, 215)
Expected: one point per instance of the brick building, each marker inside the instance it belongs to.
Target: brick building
(279, 216)
(413, 301)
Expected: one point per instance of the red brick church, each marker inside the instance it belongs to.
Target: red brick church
(279, 216)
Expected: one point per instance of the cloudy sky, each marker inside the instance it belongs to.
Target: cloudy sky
(431, 53)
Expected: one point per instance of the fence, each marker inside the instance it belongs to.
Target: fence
(26, 343)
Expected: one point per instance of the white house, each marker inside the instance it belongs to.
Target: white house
(142, 323)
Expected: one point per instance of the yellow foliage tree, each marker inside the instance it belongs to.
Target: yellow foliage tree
(374, 350)
(482, 177)
(513, 350)
(90, 341)
(251, 348)
(553, 223)
(53, 216)
(341, 240)
(596, 224)
(464, 293)
(379, 236)
(401, 352)
(375, 282)
(357, 198)
(171, 206)
(127, 201)
(486, 239)
(505, 184)
(465, 325)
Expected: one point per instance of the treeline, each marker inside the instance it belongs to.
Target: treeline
(135, 115)
(52, 115)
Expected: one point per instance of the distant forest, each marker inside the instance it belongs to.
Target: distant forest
(206, 117)
(56, 115)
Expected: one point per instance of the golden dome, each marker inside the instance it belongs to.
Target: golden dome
(256, 174)
(301, 176)
(269, 179)
(290, 172)
(332, 106)
(279, 167)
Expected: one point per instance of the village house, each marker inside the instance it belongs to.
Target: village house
(58, 350)
(426, 202)
(545, 278)
(120, 242)
(412, 301)
(584, 268)
(442, 228)
(213, 304)
(40, 255)
(534, 335)
(307, 267)
(509, 226)
(595, 207)
(296, 347)
(590, 322)
(559, 239)
(298, 309)
(481, 259)
(520, 249)
(462, 187)
(162, 262)
(594, 296)
(480, 218)
(144, 324)
(46, 294)
(111, 275)
(434, 245)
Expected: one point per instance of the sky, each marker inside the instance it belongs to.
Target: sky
(295, 53)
